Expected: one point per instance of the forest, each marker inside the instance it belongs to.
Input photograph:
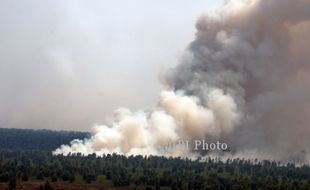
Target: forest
(37, 168)
(30, 139)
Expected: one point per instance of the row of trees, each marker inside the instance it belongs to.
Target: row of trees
(153, 172)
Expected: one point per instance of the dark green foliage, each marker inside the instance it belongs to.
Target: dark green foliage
(25, 177)
(4, 176)
(33, 160)
(28, 139)
(154, 172)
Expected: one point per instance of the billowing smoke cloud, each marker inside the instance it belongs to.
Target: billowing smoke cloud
(244, 80)
(178, 117)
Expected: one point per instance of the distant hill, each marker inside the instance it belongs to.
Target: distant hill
(29, 139)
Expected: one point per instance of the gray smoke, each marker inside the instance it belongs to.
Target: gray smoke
(244, 80)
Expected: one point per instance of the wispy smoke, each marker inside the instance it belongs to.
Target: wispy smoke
(244, 79)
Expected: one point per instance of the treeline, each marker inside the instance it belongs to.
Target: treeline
(153, 172)
(29, 139)
(25, 156)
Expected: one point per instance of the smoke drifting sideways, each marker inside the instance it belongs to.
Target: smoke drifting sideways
(243, 80)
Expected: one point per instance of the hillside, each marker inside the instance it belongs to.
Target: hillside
(29, 139)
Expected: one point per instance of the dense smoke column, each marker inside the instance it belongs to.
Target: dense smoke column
(242, 80)
(248, 49)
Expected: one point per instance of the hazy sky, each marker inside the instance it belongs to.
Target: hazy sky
(68, 64)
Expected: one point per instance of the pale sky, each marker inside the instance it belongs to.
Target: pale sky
(68, 64)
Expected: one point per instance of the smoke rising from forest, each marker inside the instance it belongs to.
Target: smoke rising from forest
(244, 80)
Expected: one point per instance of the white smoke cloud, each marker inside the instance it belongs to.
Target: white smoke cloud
(243, 80)
(178, 117)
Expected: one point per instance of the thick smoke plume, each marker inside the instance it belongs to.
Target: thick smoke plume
(243, 80)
